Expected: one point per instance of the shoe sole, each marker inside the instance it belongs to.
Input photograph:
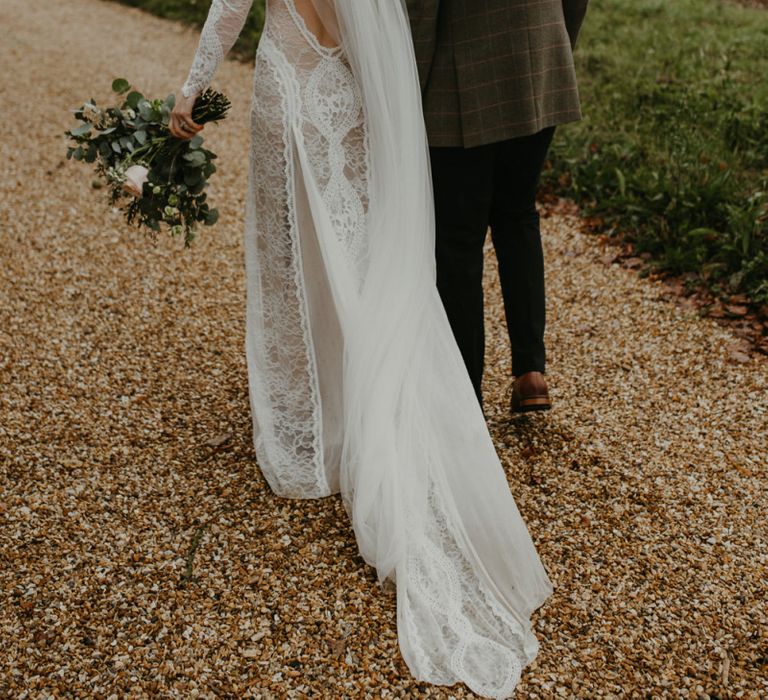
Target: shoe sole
(534, 404)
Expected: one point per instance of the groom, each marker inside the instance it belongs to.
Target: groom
(497, 76)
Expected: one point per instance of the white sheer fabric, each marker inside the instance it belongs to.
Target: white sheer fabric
(356, 383)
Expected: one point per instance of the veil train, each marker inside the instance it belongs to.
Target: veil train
(419, 476)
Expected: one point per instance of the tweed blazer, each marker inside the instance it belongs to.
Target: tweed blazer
(491, 70)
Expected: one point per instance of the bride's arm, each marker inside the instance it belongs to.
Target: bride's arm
(224, 24)
(222, 27)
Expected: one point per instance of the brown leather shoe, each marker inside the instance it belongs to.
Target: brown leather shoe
(530, 393)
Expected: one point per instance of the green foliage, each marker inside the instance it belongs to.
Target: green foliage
(195, 12)
(673, 150)
(134, 152)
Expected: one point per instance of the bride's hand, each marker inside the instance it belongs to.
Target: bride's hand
(181, 124)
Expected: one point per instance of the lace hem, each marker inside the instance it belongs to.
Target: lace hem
(455, 628)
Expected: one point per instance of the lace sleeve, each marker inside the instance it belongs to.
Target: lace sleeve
(222, 27)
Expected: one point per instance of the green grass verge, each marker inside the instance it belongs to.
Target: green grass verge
(673, 151)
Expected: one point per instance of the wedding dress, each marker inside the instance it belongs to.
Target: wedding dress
(356, 384)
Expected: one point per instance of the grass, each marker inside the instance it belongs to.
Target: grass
(673, 151)
(672, 154)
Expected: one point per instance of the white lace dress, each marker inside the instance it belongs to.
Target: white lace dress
(455, 621)
(304, 91)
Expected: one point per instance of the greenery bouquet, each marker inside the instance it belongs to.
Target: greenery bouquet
(155, 178)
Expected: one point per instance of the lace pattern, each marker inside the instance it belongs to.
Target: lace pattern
(283, 376)
(455, 626)
(315, 96)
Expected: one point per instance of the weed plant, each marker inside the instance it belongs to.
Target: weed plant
(673, 151)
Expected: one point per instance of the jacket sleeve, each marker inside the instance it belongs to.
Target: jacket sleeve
(574, 11)
(222, 27)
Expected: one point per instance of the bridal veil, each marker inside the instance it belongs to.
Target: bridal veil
(428, 498)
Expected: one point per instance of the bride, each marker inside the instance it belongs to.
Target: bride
(356, 383)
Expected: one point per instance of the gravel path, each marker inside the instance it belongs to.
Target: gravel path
(142, 554)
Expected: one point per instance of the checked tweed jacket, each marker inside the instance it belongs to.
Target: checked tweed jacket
(492, 70)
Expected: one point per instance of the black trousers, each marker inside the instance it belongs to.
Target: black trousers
(492, 186)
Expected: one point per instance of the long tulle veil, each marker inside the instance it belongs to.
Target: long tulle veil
(426, 493)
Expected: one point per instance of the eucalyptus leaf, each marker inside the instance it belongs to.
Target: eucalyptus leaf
(211, 217)
(192, 177)
(146, 111)
(199, 187)
(133, 99)
(82, 129)
(196, 158)
(121, 85)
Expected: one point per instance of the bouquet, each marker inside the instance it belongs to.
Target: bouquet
(156, 179)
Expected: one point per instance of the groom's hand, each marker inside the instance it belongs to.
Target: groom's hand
(181, 125)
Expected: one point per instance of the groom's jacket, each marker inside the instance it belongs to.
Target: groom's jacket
(492, 70)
